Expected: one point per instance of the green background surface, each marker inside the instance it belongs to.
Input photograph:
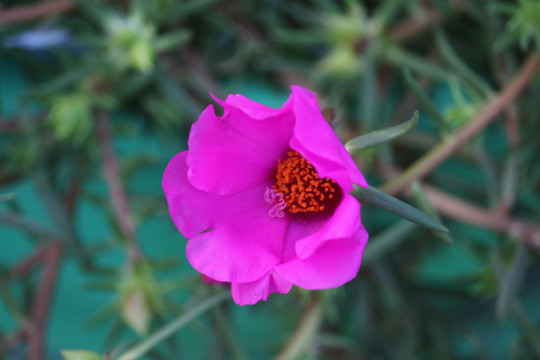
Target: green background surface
(258, 330)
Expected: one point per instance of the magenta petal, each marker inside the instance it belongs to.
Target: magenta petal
(234, 152)
(253, 108)
(252, 292)
(234, 249)
(344, 222)
(332, 265)
(192, 210)
(245, 242)
(318, 143)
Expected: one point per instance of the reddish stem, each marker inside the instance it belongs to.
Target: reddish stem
(469, 213)
(33, 12)
(489, 112)
(472, 214)
(119, 199)
(72, 193)
(34, 331)
(410, 28)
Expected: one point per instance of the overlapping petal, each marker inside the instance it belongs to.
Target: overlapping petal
(192, 210)
(343, 223)
(318, 143)
(236, 147)
(252, 292)
(223, 246)
(332, 265)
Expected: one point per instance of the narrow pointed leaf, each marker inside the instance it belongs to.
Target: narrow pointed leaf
(172, 40)
(424, 204)
(375, 197)
(368, 96)
(375, 138)
(401, 58)
(386, 241)
(527, 326)
(510, 179)
(7, 197)
(80, 355)
(425, 101)
(461, 67)
(511, 280)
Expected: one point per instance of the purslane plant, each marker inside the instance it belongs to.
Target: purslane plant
(263, 195)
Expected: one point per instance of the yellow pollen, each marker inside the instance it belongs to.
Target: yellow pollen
(302, 189)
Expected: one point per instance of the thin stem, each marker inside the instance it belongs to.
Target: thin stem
(469, 213)
(410, 28)
(142, 348)
(472, 214)
(58, 212)
(51, 260)
(30, 226)
(33, 12)
(116, 189)
(34, 329)
(304, 333)
(226, 334)
(496, 105)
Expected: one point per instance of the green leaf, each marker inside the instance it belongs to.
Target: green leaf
(136, 311)
(375, 138)
(510, 178)
(425, 101)
(80, 355)
(424, 204)
(411, 61)
(461, 67)
(386, 241)
(71, 116)
(368, 97)
(7, 197)
(511, 280)
(375, 197)
(171, 40)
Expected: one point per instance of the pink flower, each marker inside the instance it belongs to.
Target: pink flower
(263, 195)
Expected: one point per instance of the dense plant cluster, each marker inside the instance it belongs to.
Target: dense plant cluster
(97, 96)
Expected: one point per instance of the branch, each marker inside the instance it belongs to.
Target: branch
(408, 29)
(494, 107)
(33, 12)
(469, 213)
(34, 330)
(30, 226)
(51, 260)
(119, 199)
(16, 125)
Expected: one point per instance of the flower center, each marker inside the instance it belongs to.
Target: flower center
(302, 189)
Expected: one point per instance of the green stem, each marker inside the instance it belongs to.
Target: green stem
(142, 348)
(303, 335)
(227, 335)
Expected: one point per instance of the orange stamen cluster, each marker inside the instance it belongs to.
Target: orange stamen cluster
(302, 189)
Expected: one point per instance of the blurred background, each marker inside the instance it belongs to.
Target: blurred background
(97, 96)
